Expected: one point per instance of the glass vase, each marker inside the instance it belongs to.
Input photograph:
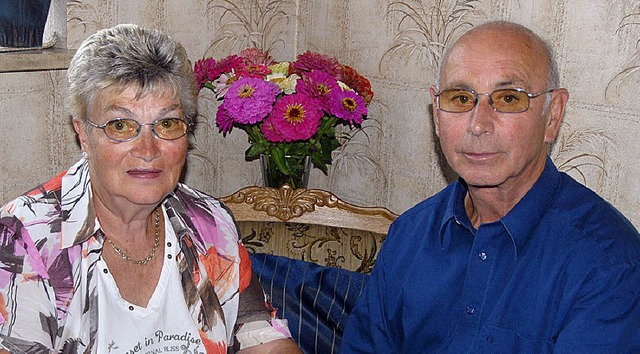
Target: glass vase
(299, 167)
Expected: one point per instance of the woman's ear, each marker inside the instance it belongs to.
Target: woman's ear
(81, 129)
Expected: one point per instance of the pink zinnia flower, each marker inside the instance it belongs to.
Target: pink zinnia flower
(201, 70)
(347, 105)
(294, 117)
(257, 71)
(249, 100)
(222, 83)
(318, 84)
(226, 65)
(269, 131)
(357, 82)
(255, 57)
(224, 122)
(309, 61)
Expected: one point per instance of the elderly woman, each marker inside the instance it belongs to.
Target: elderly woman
(114, 255)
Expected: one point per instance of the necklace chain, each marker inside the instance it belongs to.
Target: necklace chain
(145, 260)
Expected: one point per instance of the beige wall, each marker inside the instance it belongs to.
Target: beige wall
(595, 43)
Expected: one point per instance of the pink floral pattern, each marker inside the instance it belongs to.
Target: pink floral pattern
(50, 242)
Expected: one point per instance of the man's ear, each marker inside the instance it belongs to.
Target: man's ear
(436, 119)
(556, 114)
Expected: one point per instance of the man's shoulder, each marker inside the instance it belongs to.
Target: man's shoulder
(421, 224)
(588, 211)
(432, 207)
(589, 222)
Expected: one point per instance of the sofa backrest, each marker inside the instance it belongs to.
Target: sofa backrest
(312, 253)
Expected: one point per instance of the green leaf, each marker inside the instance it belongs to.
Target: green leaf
(277, 155)
(254, 151)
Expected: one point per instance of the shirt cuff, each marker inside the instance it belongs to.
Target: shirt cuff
(259, 332)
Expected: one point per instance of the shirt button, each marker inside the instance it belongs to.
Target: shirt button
(470, 310)
(105, 271)
(482, 256)
(168, 244)
(489, 339)
(169, 256)
(130, 308)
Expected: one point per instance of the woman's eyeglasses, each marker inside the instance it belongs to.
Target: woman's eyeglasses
(513, 100)
(121, 129)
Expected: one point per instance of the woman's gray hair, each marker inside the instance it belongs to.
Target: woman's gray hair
(126, 56)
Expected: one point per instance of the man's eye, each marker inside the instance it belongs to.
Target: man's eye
(509, 98)
(462, 98)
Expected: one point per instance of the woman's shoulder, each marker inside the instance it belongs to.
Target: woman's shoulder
(190, 196)
(202, 212)
(37, 206)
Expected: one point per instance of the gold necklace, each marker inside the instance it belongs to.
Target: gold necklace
(146, 260)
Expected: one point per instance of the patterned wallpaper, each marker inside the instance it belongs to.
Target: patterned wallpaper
(395, 162)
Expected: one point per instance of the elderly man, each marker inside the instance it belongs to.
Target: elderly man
(515, 256)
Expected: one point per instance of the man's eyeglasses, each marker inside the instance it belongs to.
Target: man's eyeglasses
(513, 100)
(121, 129)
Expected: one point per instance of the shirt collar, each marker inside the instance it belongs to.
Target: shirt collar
(79, 220)
(521, 222)
(454, 211)
(78, 216)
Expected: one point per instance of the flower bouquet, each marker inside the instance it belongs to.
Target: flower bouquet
(289, 110)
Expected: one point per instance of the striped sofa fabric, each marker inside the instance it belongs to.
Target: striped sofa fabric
(312, 253)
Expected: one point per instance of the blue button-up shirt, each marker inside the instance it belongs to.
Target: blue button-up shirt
(559, 273)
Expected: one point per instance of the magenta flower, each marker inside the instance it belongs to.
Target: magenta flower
(201, 70)
(226, 65)
(257, 71)
(255, 57)
(347, 105)
(249, 100)
(282, 105)
(309, 61)
(294, 117)
(224, 122)
(270, 133)
(318, 85)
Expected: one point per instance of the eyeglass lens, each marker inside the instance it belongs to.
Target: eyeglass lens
(127, 129)
(504, 100)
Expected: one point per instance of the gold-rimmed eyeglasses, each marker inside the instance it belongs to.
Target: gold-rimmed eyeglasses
(123, 129)
(512, 100)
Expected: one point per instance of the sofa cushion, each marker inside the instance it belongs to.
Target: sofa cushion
(316, 300)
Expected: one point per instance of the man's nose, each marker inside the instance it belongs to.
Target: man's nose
(481, 120)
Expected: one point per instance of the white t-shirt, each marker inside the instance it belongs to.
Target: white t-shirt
(164, 326)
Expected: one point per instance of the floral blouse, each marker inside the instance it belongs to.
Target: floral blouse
(49, 244)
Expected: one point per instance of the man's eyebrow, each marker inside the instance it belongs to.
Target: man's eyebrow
(458, 86)
(512, 82)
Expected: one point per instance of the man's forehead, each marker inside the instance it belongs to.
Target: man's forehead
(494, 62)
